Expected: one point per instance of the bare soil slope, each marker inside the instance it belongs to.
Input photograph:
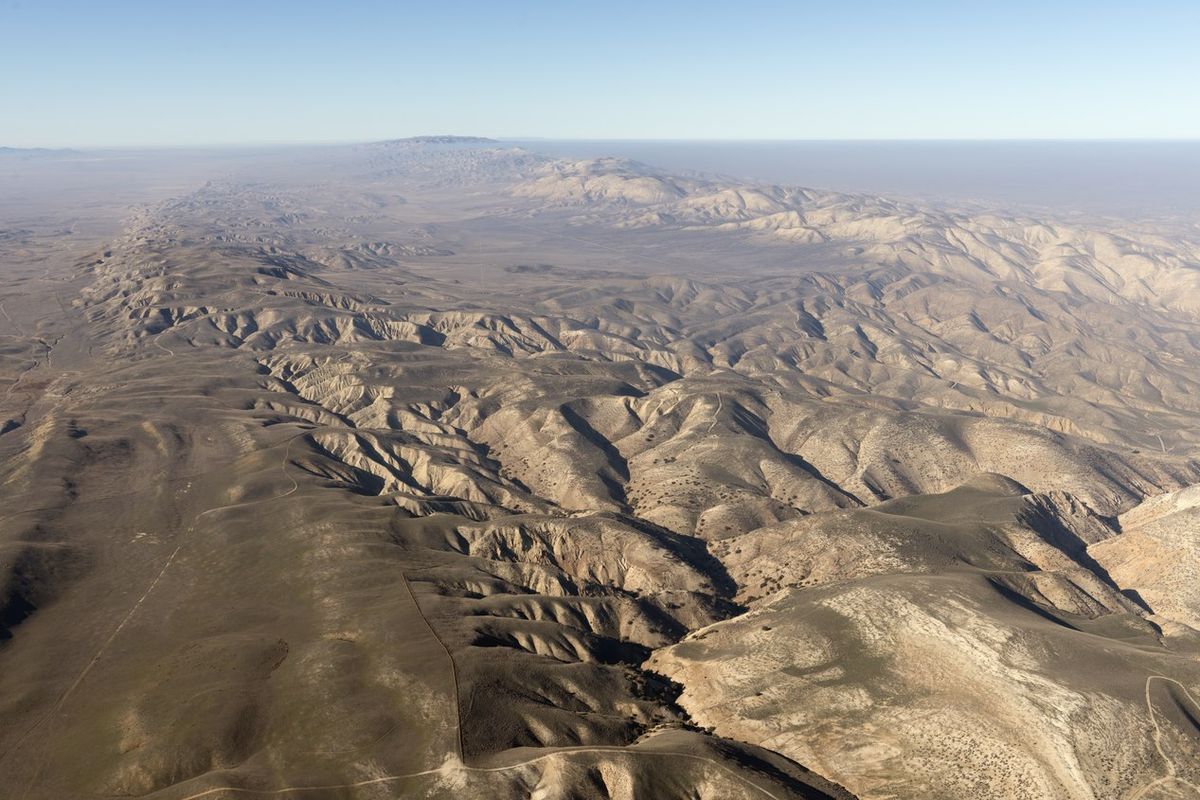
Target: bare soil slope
(439, 468)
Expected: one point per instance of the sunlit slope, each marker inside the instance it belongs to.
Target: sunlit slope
(444, 469)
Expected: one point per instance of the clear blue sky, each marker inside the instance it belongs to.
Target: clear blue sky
(120, 72)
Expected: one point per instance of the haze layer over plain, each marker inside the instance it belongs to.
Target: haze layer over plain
(442, 468)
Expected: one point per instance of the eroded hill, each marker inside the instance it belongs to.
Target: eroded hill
(445, 469)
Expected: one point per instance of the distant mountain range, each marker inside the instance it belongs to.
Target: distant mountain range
(444, 139)
(34, 152)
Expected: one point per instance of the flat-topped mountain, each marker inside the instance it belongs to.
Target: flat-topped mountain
(439, 139)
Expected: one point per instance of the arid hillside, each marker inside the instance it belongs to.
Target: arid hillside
(441, 468)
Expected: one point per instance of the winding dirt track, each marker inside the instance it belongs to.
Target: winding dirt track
(161, 346)
(452, 765)
(1172, 770)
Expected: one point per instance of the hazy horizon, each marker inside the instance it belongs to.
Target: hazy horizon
(1125, 178)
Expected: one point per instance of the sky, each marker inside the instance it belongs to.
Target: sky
(173, 72)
